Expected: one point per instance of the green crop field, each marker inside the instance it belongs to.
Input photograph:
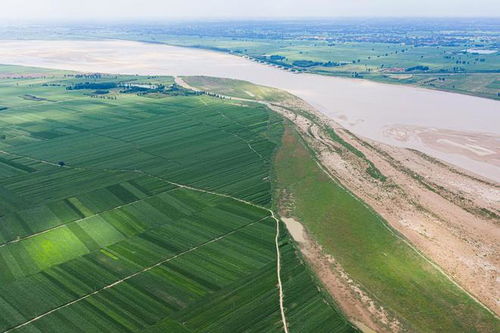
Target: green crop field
(237, 88)
(386, 267)
(132, 205)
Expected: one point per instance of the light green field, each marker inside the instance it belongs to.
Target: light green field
(237, 88)
(122, 236)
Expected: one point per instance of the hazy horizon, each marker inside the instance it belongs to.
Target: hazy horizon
(115, 10)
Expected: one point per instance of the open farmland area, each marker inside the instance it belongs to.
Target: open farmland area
(150, 203)
(213, 166)
(130, 204)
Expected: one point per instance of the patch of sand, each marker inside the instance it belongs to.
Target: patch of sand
(295, 229)
(481, 147)
(400, 76)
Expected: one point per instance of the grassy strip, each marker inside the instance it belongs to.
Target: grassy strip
(406, 284)
(372, 169)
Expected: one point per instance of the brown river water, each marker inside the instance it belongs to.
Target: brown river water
(459, 129)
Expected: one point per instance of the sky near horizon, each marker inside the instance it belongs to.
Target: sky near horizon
(46, 10)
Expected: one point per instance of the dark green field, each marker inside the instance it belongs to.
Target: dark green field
(126, 209)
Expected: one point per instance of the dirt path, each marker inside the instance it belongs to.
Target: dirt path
(184, 84)
(278, 272)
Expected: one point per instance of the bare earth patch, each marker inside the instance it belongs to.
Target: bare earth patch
(362, 310)
(23, 76)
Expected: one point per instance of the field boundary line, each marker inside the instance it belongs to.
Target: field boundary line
(81, 219)
(188, 187)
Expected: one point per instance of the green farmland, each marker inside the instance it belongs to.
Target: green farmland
(129, 204)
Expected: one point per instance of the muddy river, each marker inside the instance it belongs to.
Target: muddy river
(460, 129)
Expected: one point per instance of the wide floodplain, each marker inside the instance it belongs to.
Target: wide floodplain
(460, 129)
